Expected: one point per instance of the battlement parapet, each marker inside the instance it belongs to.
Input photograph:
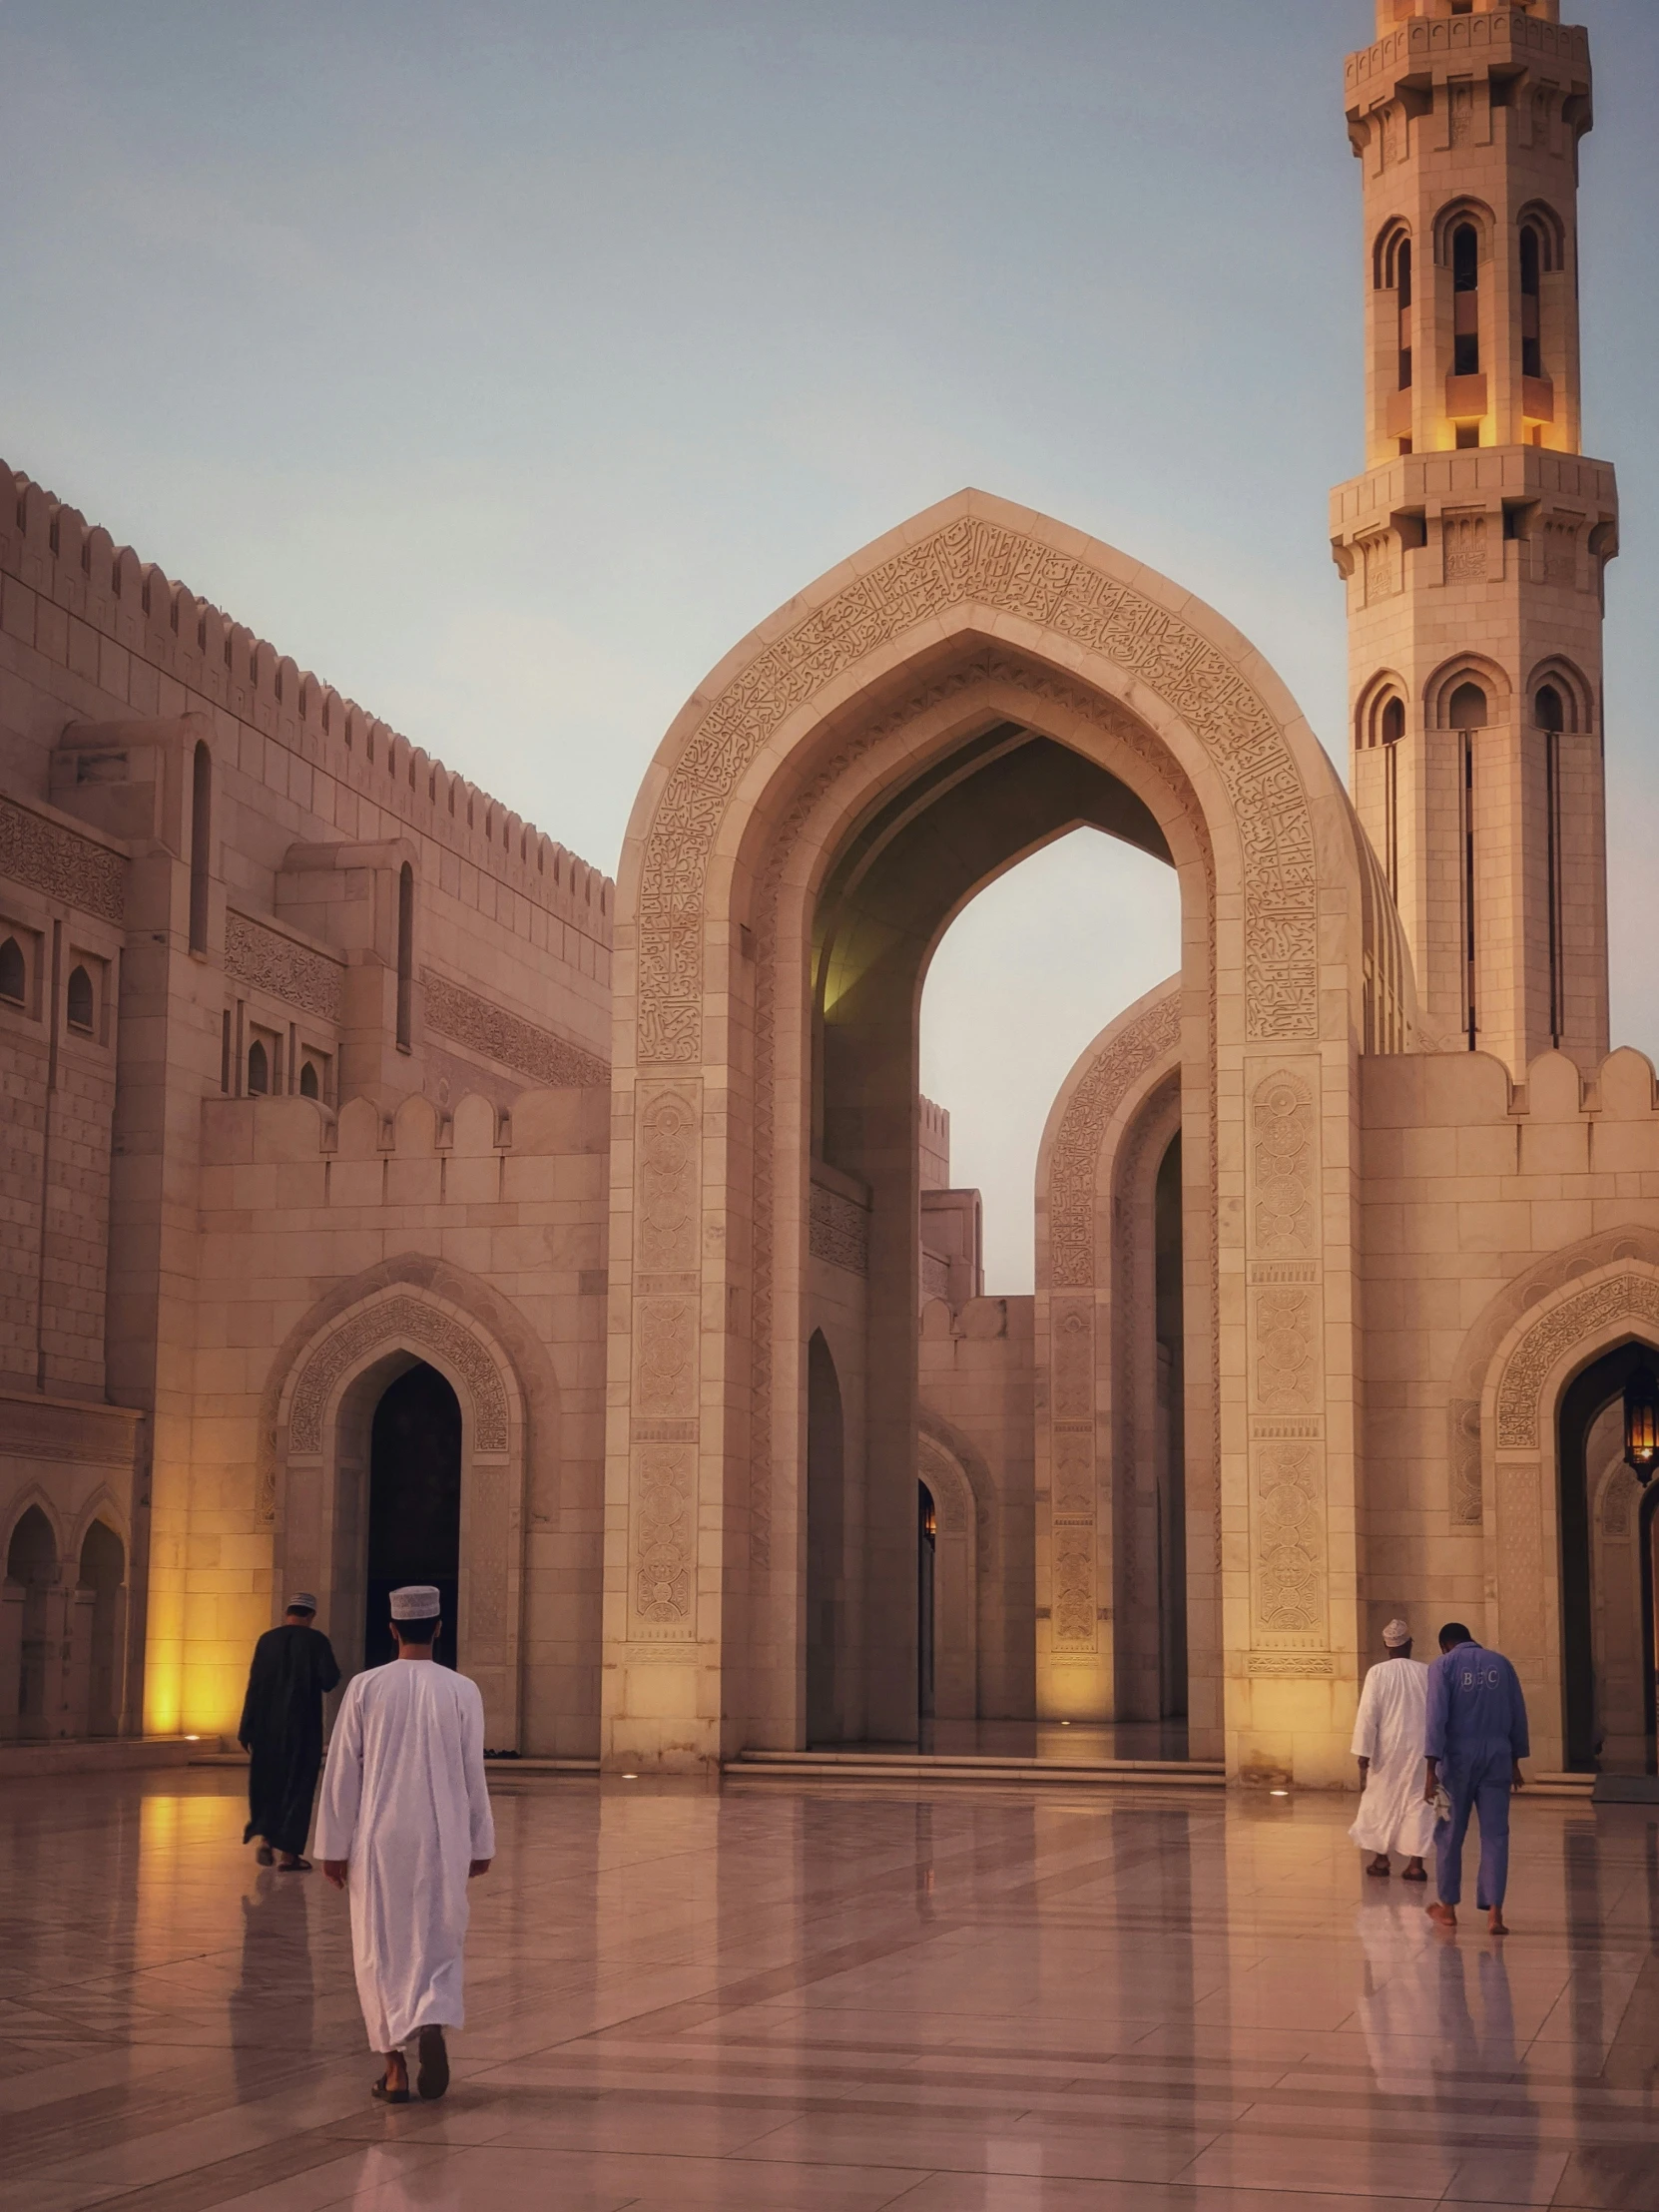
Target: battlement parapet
(1427, 47)
(50, 549)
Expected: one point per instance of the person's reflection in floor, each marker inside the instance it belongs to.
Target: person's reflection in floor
(272, 2003)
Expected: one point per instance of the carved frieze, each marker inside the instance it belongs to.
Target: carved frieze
(1074, 1161)
(976, 560)
(839, 1230)
(1586, 1315)
(411, 1323)
(466, 1020)
(265, 960)
(1463, 1426)
(58, 863)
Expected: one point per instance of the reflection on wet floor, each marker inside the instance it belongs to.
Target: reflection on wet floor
(773, 1998)
(1080, 1742)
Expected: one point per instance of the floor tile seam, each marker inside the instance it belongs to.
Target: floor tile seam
(174, 2193)
(119, 2126)
(96, 2142)
(1462, 2140)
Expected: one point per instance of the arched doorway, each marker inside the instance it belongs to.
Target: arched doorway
(415, 1505)
(960, 695)
(1608, 1631)
(32, 1572)
(103, 1572)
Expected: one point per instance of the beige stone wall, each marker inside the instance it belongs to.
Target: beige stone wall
(977, 1364)
(475, 1241)
(1487, 1207)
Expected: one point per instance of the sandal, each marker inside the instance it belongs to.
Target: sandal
(295, 1866)
(382, 2095)
(434, 2077)
(1421, 1875)
(1382, 1872)
(265, 1855)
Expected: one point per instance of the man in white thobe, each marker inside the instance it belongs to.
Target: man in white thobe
(1389, 1737)
(405, 1822)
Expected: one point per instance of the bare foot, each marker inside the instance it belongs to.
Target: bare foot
(1443, 1916)
(1379, 1863)
(1496, 1922)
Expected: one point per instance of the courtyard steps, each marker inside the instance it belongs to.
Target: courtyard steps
(903, 1766)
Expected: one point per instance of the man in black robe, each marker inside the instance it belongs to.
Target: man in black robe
(282, 1730)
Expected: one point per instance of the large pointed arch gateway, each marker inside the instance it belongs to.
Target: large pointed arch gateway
(955, 696)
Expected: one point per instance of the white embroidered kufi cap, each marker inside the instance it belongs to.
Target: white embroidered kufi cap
(418, 1601)
(1396, 1633)
(301, 1603)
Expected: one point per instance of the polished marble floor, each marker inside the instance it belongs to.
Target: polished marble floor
(781, 1996)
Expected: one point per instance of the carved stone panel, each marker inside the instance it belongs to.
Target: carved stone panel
(1289, 1516)
(1288, 1552)
(839, 1233)
(667, 1362)
(666, 1180)
(665, 1539)
(265, 960)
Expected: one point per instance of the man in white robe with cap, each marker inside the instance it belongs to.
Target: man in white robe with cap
(1389, 1737)
(403, 1825)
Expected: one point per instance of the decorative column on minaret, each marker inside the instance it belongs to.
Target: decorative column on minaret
(1475, 545)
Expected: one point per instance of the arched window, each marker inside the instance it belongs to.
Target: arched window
(1394, 721)
(201, 844)
(1467, 708)
(1403, 273)
(405, 954)
(1465, 289)
(1549, 712)
(258, 1071)
(79, 1004)
(14, 972)
(309, 1087)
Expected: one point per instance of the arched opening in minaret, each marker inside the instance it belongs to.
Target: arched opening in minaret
(1531, 287)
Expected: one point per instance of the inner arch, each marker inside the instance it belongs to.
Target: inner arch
(901, 876)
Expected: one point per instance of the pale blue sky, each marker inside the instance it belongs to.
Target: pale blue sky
(506, 362)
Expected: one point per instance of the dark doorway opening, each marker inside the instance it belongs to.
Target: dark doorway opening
(102, 1569)
(32, 1560)
(826, 1543)
(1584, 1401)
(927, 1530)
(414, 1506)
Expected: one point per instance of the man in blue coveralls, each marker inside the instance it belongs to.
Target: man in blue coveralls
(1475, 1741)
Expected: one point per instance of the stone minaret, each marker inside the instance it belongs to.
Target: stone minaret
(1474, 544)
